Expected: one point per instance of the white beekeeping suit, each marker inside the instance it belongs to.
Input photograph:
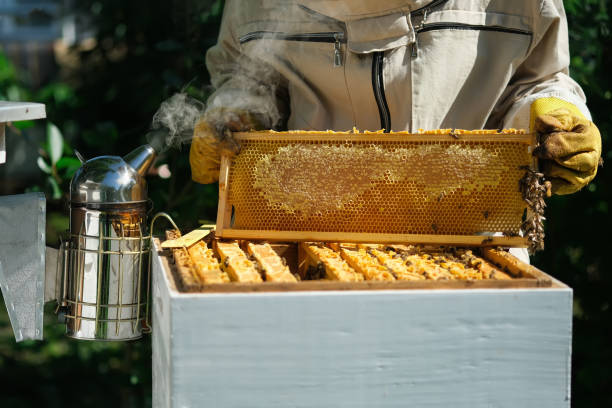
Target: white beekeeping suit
(400, 65)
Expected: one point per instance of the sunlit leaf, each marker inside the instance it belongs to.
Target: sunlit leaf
(57, 191)
(55, 142)
(42, 164)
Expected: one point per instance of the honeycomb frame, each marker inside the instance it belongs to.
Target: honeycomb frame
(443, 187)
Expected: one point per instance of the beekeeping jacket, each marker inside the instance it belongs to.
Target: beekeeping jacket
(393, 64)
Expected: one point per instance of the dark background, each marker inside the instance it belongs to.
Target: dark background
(101, 89)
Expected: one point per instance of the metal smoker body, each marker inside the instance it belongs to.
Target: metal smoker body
(105, 278)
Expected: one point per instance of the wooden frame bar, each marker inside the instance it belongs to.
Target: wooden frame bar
(358, 237)
(526, 138)
(224, 211)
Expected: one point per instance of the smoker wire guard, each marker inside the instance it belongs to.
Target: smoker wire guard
(62, 278)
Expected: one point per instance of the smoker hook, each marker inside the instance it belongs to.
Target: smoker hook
(79, 156)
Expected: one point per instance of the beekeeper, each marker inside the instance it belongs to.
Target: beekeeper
(398, 65)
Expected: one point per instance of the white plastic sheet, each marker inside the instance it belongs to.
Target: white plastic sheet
(22, 262)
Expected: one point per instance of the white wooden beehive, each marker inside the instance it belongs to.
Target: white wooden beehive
(361, 348)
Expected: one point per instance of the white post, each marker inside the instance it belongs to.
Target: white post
(2, 144)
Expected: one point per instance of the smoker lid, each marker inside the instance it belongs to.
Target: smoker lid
(107, 180)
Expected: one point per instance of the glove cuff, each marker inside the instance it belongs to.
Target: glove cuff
(543, 106)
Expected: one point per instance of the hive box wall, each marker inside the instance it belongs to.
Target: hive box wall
(433, 348)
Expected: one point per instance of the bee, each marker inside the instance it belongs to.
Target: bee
(320, 271)
(391, 271)
(454, 134)
(487, 241)
(226, 261)
(486, 214)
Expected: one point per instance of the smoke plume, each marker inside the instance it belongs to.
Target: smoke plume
(244, 78)
(175, 120)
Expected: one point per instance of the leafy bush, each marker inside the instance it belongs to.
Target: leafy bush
(145, 51)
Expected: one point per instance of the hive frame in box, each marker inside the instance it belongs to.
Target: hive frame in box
(523, 275)
(224, 216)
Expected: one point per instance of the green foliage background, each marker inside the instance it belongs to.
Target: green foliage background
(146, 50)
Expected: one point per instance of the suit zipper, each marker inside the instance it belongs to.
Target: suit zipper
(333, 37)
(378, 85)
(423, 28)
(425, 9)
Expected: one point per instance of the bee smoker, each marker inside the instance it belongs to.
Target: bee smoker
(104, 283)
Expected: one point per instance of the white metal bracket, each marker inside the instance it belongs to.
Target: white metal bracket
(15, 112)
(2, 144)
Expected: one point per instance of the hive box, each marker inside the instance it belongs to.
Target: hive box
(364, 348)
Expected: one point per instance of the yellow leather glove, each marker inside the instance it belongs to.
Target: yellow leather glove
(212, 137)
(569, 145)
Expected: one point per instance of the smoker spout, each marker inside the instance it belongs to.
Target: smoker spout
(141, 158)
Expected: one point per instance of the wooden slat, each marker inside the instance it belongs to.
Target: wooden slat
(235, 262)
(206, 266)
(301, 136)
(223, 209)
(396, 265)
(190, 238)
(336, 268)
(368, 266)
(289, 251)
(516, 267)
(274, 268)
(356, 237)
(184, 269)
(489, 271)
(324, 285)
(305, 262)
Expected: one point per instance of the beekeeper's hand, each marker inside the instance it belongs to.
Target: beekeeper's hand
(212, 137)
(569, 149)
